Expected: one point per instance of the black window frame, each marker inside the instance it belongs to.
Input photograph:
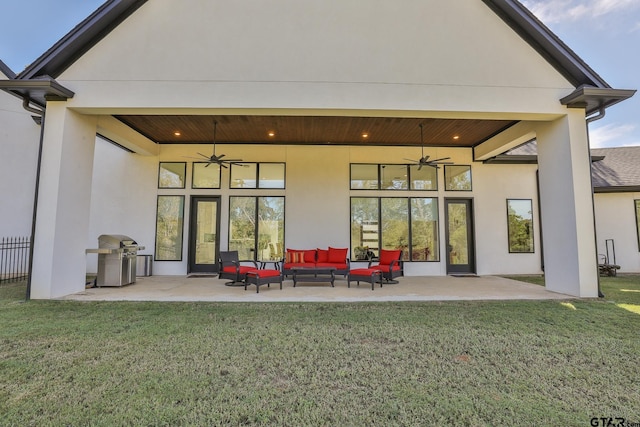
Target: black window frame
(407, 255)
(257, 178)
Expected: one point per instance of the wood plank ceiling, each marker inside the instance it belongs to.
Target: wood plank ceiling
(313, 130)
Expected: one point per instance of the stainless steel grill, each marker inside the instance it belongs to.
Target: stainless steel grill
(117, 256)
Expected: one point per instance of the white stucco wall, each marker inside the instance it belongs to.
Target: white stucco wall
(19, 142)
(616, 219)
(317, 199)
(123, 197)
(455, 57)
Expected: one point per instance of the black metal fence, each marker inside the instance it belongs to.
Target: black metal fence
(14, 259)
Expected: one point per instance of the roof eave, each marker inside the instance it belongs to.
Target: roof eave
(82, 38)
(38, 91)
(593, 99)
(618, 189)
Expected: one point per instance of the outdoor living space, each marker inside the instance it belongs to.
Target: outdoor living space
(416, 288)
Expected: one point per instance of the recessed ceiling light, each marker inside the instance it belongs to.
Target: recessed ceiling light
(456, 137)
(365, 135)
(177, 133)
(272, 134)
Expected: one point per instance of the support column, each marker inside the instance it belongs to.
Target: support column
(564, 161)
(62, 223)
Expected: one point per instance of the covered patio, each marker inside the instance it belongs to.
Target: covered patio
(416, 288)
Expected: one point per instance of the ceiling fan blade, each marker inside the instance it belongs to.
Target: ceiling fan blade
(223, 165)
(437, 160)
(412, 160)
(232, 160)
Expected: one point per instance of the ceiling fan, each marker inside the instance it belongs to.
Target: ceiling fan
(424, 160)
(219, 159)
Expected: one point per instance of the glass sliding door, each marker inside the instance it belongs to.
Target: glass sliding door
(203, 237)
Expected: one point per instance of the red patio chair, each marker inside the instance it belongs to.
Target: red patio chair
(230, 268)
(389, 264)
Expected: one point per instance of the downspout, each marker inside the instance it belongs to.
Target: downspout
(593, 118)
(40, 112)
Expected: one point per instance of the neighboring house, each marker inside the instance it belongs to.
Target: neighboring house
(323, 103)
(616, 182)
(19, 136)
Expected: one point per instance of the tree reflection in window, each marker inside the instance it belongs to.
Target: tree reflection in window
(520, 225)
(457, 178)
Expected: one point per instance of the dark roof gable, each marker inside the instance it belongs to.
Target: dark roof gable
(546, 43)
(80, 39)
(4, 69)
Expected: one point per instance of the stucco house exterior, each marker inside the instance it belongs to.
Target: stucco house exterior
(326, 108)
(19, 136)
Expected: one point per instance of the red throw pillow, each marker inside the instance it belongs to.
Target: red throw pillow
(323, 255)
(310, 256)
(387, 257)
(338, 255)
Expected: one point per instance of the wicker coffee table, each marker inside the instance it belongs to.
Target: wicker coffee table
(313, 274)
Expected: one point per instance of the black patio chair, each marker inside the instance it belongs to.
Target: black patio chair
(229, 267)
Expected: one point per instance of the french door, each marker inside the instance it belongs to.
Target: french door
(460, 236)
(204, 229)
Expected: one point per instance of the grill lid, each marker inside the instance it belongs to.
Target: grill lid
(115, 241)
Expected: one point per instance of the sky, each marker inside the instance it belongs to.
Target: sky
(604, 33)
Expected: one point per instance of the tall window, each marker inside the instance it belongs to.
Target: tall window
(638, 221)
(410, 224)
(424, 230)
(256, 227)
(520, 226)
(169, 221)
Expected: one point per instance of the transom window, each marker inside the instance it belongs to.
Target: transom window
(393, 177)
(457, 178)
(257, 175)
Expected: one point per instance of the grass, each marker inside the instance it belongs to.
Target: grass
(415, 363)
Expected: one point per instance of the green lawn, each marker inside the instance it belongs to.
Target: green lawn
(355, 364)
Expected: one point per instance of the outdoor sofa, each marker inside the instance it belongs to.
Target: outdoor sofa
(316, 258)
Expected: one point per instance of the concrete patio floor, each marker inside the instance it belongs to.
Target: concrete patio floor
(447, 288)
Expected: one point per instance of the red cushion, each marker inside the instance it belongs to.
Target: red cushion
(337, 265)
(385, 268)
(323, 255)
(362, 272)
(242, 269)
(337, 254)
(263, 273)
(310, 255)
(387, 257)
(289, 265)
